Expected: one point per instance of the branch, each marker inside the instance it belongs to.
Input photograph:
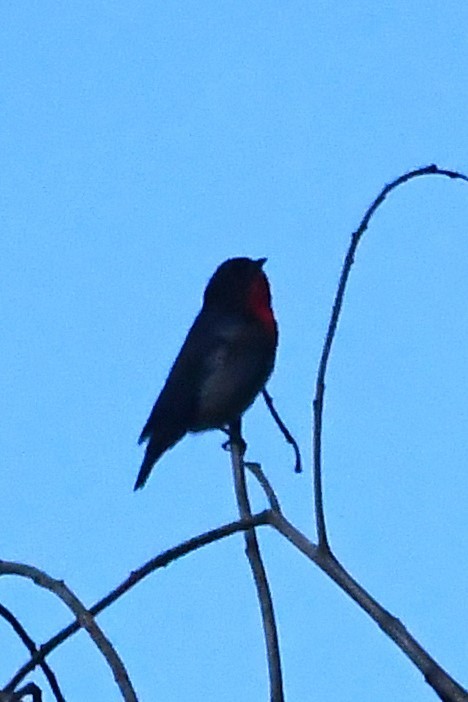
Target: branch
(84, 618)
(32, 648)
(160, 561)
(445, 686)
(447, 689)
(284, 429)
(257, 472)
(336, 310)
(30, 689)
(258, 569)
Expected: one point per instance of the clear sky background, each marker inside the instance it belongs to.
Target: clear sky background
(142, 144)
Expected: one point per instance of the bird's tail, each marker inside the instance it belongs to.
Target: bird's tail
(157, 445)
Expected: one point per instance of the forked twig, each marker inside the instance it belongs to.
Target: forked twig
(32, 690)
(83, 616)
(29, 690)
(160, 561)
(32, 648)
(448, 689)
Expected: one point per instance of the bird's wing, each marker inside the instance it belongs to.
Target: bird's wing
(173, 411)
(178, 398)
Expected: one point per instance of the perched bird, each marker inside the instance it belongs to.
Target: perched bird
(225, 361)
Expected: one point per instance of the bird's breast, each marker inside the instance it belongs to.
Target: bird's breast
(235, 371)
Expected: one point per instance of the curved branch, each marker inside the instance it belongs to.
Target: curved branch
(336, 310)
(283, 429)
(83, 616)
(160, 561)
(32, 690)
(446, 687)
(252, 550)
(257, 472)
(19, 629)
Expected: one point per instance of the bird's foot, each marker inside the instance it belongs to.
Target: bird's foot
(236, 441)
(235, 438)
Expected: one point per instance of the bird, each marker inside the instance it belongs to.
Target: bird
(225, 361)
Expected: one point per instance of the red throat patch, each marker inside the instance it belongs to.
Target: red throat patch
(259, 302)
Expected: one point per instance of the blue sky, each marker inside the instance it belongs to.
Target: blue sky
(142, 144)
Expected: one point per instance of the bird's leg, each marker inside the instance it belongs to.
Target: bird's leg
(233, 430)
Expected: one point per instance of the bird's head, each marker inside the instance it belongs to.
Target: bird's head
(240, 285)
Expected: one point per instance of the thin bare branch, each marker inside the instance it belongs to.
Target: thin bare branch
(257, 472)
(445, 686)
(160, 561)
(284, 429)
(83, 616)
(32, 648)
(31, 690)
(332, 326)
(258, 569)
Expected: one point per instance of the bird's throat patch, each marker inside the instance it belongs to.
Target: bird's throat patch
(259, 302)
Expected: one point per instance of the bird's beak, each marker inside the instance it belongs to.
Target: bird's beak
(260, 262)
